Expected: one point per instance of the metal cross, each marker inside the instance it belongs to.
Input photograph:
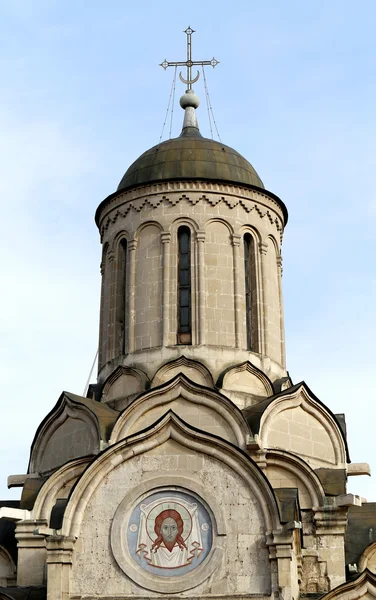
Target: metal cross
(189, 63)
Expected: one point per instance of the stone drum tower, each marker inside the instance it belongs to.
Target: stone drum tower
(194, 468)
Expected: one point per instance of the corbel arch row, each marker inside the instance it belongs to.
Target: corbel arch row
(170, 426)
(182, 388)
(228, 226)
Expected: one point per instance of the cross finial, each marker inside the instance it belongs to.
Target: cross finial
(189, 63)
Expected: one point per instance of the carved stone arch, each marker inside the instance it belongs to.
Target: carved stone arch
(219, 220)
(274, 243)
(246, 384)
(200, 407)
(368, 559)
(58, 485)
(253, 231)
(192, 369)
(124, 382)
(363, 586)
(298, 422)
(121, 235)
(311, 492)
(169, 427)
(220, 304)
(181, 221)
(69, 431)
(7, 568)
(145, 224)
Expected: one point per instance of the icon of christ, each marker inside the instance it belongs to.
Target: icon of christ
(169, 533)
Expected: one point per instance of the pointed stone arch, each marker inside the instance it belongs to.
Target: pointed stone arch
(7, 567)
(74, 428)
(192, 369)
(169, 427)
(363, 586)
(287, 470)
(368, 559)
(58, 485)
(201, 407)
(245, 379)
(124, 381)
(297, 421)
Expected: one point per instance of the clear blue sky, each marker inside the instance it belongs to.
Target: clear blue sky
(81, 96)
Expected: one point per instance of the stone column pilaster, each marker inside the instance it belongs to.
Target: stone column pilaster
(200, 237)
(111, 306)
(132, 247)
(239, 333)
(59, 564)
(282, 319)
(331, 523)
(31, 553)
(281, 552)
(166, 239)
(264, 295)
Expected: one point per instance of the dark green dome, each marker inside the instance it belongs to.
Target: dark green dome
(190, 156)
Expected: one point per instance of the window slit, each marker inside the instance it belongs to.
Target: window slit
(184, 286)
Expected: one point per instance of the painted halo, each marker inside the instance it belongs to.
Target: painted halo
(169, 533)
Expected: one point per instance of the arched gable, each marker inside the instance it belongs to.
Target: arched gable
(363, 586)
(296, 421)
(368, 559)
(74, 428)
(57, 486)
(170, 426)
(246, 380)
(284, 470)
(170, 457)
(7, 567)
(201, 407)
(124, 381)
(192, 369)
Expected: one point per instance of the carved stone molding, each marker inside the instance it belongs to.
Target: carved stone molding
(231, 196)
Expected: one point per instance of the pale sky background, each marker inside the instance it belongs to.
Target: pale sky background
(82, 96)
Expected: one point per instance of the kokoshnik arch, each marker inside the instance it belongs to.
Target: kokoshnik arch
(194, 467)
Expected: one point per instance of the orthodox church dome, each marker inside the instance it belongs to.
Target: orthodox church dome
(190, 156)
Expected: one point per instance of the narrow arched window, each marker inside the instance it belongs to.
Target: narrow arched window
(123, 291)
(184, 286)
(249, 279)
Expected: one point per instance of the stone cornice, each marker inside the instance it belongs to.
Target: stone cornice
(173, 192)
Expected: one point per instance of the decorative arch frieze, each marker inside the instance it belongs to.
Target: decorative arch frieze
(152, 197)
(180, 221)
(222, 222)
(192, 369)
(148, 223)
(201, 407)
(246, 378)
(124, 381)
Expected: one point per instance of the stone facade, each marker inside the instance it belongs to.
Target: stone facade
(195, 469)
